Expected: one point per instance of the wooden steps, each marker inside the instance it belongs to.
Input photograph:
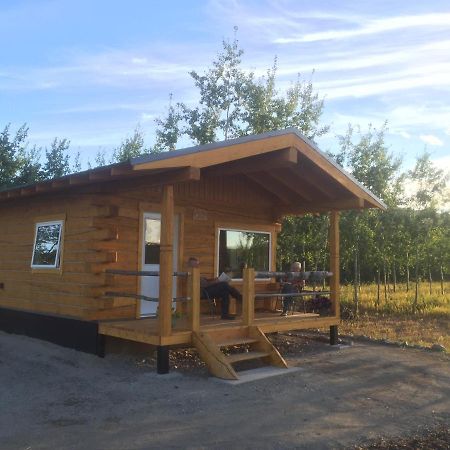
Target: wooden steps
(246, 356)
(213, 347)
(236, 341)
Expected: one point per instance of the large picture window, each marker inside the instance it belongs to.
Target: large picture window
(243, 248)
(47, 245)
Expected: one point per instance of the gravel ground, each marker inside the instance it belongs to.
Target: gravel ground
(353, 397)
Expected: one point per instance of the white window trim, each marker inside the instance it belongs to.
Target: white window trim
(219, 229)
(57, 259)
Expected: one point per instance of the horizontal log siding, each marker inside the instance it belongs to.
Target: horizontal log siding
(102, 232)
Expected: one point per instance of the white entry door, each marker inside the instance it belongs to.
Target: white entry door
(150, 258)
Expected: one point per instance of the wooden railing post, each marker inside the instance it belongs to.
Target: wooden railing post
(194, 295)
(248, 297)
(334, 263)
(166, 263)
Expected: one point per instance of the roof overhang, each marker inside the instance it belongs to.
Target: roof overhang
(283, 164)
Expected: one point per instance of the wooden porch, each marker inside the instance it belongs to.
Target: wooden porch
(146, 330)
(210, 334)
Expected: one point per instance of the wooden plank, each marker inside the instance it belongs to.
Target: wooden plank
(79, 178)
(284, 195)
(212, 356)
(45, 307)
(280, 158)
(292, 182)
(314, 178)
(128, 334)
(189, 172)
(194, 294)
(264, 345)
(231, 342)
(321, 162)
(295, 324)
(246, 356)
(334, 262)
(321, 206)
(166, 262)
(248, 297)
(222, 155)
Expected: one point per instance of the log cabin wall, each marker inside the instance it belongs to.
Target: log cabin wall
(71, 290)
(202, 206)
(102, 230)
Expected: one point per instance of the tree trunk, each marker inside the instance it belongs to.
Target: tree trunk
(407, 271)
(430, 281)
(416, 295)
(378, 288)
(394, 276)
(355, 284)
(359, 277)
(324, 269)
(388, 273)
(442, 280)
(385, 280)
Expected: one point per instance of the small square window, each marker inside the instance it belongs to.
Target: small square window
(47, 244)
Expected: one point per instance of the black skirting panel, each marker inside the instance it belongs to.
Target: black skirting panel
(67, 332)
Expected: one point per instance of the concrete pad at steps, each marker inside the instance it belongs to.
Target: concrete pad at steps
(246, 376)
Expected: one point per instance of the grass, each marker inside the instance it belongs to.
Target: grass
(393, 318)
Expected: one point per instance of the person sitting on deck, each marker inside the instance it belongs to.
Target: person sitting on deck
(217, 289)
(291, 285)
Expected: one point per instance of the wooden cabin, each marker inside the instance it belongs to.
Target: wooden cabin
(103, 252)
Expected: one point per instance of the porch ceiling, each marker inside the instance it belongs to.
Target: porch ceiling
(292, 181)
(284, 164)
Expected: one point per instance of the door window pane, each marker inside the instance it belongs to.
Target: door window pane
(239, 249)
(152, 241)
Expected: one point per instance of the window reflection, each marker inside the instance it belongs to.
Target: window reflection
(46, 246)
(152, 241)
(239, 249)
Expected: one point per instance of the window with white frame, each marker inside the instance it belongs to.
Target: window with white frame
(243, 248)
(47, 245)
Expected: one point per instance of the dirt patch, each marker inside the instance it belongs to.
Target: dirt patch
(340, 397)
(430, 439)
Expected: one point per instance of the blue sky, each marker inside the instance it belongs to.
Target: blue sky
(90, 71)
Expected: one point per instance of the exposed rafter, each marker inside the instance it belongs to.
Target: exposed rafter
(285, 157)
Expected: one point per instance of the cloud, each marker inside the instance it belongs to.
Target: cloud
(118, 68)
(404, 134)
(371, 27)
(431, 140)
(431, 116)
(146, 117)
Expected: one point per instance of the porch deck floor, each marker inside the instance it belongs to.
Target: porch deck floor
(145, 330)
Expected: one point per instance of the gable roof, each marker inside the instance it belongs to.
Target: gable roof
(293, 163)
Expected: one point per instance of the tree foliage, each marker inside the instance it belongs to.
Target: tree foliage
(428, 182)
(233, 103)
(57, 160)
(12, 156)
(131, 147)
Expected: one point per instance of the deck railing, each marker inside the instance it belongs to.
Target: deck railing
(192, 299)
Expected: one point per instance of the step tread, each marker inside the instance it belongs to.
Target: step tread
(245, 356)
(236, 341)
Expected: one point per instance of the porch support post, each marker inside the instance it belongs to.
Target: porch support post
(248, 297)
(334, 339)
(194, 294)
(335, 269)
(162, 359)
(166, 263)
